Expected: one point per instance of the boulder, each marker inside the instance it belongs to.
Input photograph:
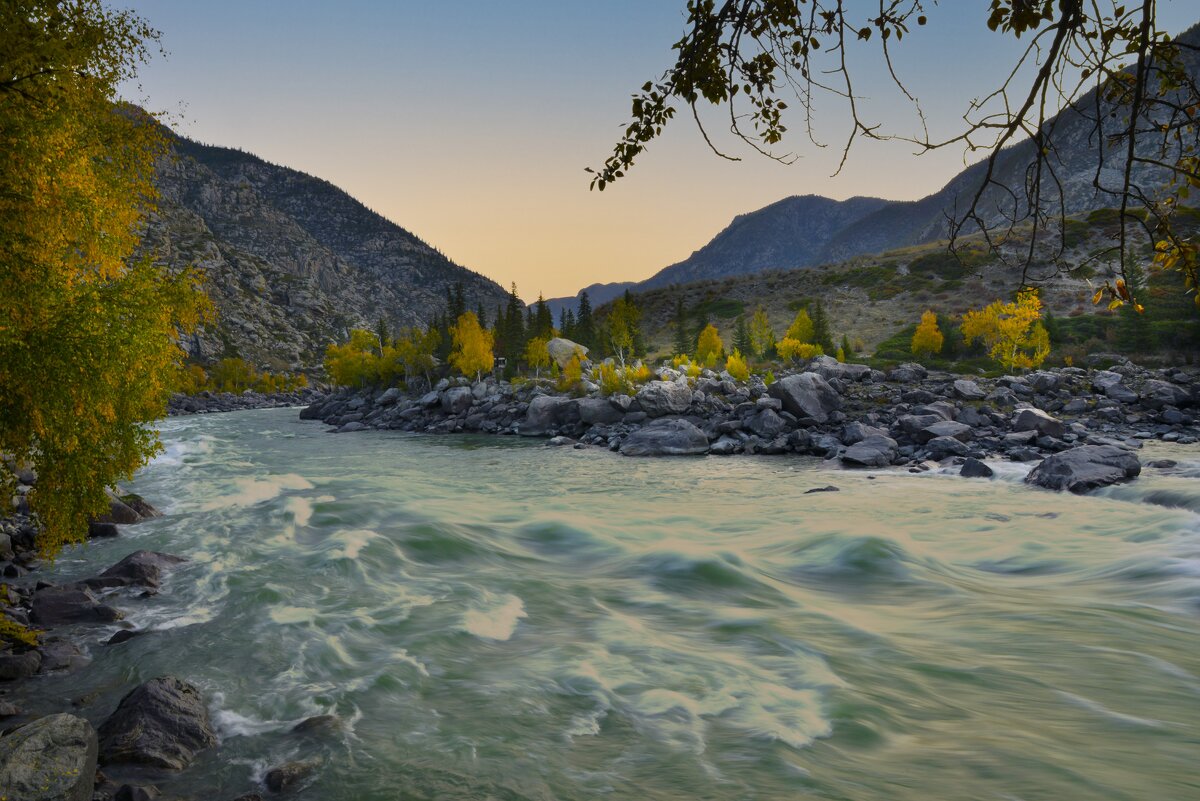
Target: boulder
(912, 424)
(1157, 394)
(856, 432)
(907, 373)
(1120, 393)
(60, 654)
(59, 606)
(941, 447)
(658, 398)
(828, 367)
(143, 568)
(666, 437)
(140, 505)
(51, 759)
(456, 400)
(544, 412)
(136, 792)
(288, 775)
(162, 723)
(1085, 468)
(19, 666)
(317, 723)
(806, 395)
(725, 446)
(1039, 421)
(430, 399)
(102, 531)
(966, 389)
(766, 423)
(973, 468)
(874, 451)
(599, 411)
(1103, 379)
(119, 512)
(944, 428)
(561, 350)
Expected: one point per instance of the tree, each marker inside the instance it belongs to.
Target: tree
(585, 325)
(381, 334)
(354, 363)
(683, 340)
(762, 337)
(543, 320)
(801, 329)
(736, 366)
(621, 328)
(741, 336)
(513, 332)
(709, 346)
(471, 350)
(821, 334)
(88, 330)
(1012, 332)
(927, 339)
(793, 349)
(537, 355)
(1126, 81)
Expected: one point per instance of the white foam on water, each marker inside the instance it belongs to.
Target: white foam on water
(351, 542)
(300, 509)
(1111, 714)
(291, 615)
(497, 620)
(251, 491)
(404, 657)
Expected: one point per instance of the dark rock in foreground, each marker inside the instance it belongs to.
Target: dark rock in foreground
(1085, 468)
(143, 568)
(666, 437)
(162, 723)
(51, 759)
(288, 775)
(806, 395)
(58, 606)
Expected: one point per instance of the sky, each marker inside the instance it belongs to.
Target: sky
(470, 123)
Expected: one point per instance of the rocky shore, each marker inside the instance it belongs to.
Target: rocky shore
(1084, 426)
(209, 402)
(159, 727)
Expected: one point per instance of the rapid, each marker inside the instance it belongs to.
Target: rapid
(491, 618)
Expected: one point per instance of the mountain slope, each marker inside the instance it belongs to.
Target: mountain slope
(291, 261)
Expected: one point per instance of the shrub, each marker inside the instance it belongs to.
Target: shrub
(736, 366)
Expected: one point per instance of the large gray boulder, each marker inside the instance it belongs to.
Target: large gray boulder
(544, 413)
(873, 451)
(828, 367)
(659, 398)
(59, 606)
(907, 373)
(944, 428)
(1039, 421)
(1157, 394)
(766, 423)
(457, 400)
(968, 390)
(600, 411)
(561, 350)
(19, 666)
(806, 395)
(51, 759)
(1085, 468)
(162, 723)
(143, 568)
(666, 438)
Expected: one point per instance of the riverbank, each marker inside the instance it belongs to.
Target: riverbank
(212, 402)
(846, 412)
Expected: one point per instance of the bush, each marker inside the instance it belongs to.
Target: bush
(736, 366)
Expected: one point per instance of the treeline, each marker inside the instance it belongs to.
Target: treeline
(235, 375)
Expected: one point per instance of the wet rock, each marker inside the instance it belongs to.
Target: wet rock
(288, 775)
(101, 531)
(249, 797)
(874, 451)
(142, 568)
(829, 488)
(973, 468)
(19, 666)
(10, 710)
(162, 723)
(806, 395)
(59, 606)
(51, 759)
(725, 446)
(599, 411)
(124, 635)
(136, 792)
(659, 398)
(59, 654)
(351, 427)
(942, 447)
(1162, 464)
(544, 412)
(119, 512)
(317, 723)
(666, 437)
(1085, 468)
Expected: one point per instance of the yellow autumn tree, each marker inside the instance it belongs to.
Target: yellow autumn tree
(927, 339)
(801, 329)
(88, 330)
(471, 346)
(1012, 332)
(354, 363)
(736, 366)
(537, 354)
(762, 336)
(709, 346)
(792, 349)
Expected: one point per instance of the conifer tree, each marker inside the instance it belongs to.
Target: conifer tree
(742, 342)
(543, 320)
(585, 325)
(683, 339)
(801, 329)
(821, 333)
(514, 332)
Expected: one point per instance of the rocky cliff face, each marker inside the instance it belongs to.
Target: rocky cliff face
(290, 260)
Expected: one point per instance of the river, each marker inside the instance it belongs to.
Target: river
(495, 619)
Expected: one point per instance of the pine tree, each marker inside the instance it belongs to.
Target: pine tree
(481, 314)
(683, 339)
(821, 333)
(381, 335)
(801, 329)
(585, 325)
(741, 337)
(514, 332)
(635, 318)
(543, 325)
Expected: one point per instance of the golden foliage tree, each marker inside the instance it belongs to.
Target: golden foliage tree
(88, 333)
(736, 366)
(927, 339)
(1012, 332)
(471, 346)
(709, 346)
(354, 363)
(621, 328)
(801, 329)
(537, 354)
(762, 336)
(572, 374)
(792, 349)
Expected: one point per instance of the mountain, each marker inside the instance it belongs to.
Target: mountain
(807, 231)
(291, 261)
(597, 294)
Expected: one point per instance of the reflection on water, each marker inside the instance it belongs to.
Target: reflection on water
(493, 619)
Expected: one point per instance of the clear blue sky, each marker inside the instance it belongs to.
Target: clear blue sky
(470, 122)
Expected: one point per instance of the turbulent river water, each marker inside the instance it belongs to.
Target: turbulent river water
(495, 619)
